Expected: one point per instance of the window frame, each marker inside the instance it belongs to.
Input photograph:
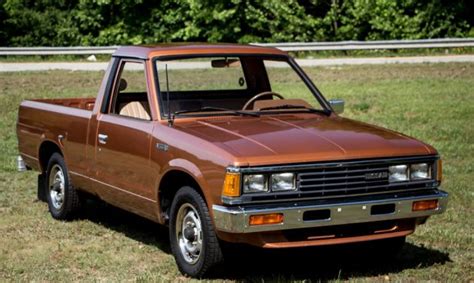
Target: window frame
(112, 88)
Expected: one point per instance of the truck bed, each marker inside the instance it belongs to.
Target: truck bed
(43, 120)
(81, 103)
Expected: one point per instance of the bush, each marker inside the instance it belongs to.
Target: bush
(111, 22)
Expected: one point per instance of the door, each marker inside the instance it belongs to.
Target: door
(123, 143)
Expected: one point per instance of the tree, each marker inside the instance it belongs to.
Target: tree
(118, 22)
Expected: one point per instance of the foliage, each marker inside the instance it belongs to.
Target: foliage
(110, 22)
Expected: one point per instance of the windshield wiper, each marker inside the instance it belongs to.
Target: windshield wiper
(296, 107)
(211, 108)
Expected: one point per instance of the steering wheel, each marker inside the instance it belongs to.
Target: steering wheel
(257, 96)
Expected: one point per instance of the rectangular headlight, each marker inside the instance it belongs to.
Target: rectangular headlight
(398, 173)
(419, 171)
(256, 183)
(283, 182)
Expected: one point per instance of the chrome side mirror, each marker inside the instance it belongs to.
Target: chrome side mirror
(337, 105)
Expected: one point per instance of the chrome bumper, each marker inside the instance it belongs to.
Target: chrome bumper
(236, 219)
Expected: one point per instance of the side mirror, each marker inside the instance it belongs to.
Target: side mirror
(337, 105)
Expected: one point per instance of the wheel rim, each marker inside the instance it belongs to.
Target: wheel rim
(56, 186)
(189, 233)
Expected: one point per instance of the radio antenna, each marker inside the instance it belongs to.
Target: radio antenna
(170, 117)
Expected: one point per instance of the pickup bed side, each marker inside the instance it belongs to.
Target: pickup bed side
(43, 126)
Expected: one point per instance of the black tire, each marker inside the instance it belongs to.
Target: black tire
(71, 202)
(210, 253)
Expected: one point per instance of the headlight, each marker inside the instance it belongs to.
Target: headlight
(419, 171)
(283, 182)
(398, 173)
(255, 183)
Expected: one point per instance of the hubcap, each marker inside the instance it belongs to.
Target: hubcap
(189, 233)
(56, 186)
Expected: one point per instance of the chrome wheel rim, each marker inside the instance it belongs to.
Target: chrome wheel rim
(189, 233)
(57, 186)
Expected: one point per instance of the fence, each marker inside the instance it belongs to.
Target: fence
(291, 46)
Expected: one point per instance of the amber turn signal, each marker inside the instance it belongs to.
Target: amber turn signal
(231, 186)
(425, 205)
(439, 171)
(263, 219)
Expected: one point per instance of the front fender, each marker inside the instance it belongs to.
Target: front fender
(189, 168)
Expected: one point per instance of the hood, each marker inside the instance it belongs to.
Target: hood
(301, 138)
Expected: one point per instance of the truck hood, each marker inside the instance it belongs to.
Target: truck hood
(301, 138)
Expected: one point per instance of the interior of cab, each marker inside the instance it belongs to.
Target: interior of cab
(133, 105)
(229, 82)
(130, 96)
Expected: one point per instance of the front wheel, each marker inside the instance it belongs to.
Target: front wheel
(192, 237)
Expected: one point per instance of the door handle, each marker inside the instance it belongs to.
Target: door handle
(103, 138)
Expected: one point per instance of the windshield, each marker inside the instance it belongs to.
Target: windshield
(225, 85)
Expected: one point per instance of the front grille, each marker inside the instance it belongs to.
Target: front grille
(342, 180)
(352, 179)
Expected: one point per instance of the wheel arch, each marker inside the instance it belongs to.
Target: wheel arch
(45, 151)
(179, 173)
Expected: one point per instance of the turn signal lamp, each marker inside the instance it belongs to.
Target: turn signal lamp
(439, 171)
(264, 219)
(231, 186)
(425, 205)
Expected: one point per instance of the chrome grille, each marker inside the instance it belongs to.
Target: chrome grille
(341, 179)
(351, 179)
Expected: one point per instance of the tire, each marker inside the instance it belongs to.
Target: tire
(63, 200)
(193, 240)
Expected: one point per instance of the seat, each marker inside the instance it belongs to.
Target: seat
(136, 109)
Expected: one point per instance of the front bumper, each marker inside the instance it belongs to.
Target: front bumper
(236, 219)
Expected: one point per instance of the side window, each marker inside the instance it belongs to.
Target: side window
(129, 97)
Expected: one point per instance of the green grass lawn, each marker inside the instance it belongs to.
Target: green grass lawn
(434, 103)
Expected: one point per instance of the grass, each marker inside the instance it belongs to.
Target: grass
(433, 103)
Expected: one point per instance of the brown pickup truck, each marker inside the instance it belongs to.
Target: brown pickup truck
(228, 144)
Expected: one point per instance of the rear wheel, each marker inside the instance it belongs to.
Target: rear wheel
(63, 200)
(192, 237)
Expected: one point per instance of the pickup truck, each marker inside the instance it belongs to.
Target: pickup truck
(228, 143)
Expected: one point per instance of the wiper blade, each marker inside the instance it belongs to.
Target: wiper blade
(211, 108)
(296, 107)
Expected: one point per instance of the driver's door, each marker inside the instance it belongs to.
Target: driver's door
(124, 141)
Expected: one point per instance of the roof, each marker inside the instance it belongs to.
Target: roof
(176, 49)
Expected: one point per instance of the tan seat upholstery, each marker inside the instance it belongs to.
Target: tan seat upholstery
(136, 109)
